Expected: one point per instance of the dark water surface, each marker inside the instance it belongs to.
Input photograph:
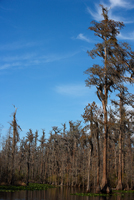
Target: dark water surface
(62, 193)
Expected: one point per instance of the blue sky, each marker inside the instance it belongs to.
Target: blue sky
(43, 56)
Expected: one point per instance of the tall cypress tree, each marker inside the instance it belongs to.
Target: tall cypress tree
(117, 60)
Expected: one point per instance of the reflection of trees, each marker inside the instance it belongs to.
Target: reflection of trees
(119, 197)
(26, 195)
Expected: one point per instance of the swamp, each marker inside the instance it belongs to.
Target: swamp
(72, 162)
(64, 193)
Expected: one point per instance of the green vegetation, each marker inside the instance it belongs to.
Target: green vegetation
(114, 193)
(96, 195)
(31, 186)
(123, 191)
(90, 194)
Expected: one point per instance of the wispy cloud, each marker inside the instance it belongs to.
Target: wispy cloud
(121, 3)
(31, 59)
(18, 45)
(82, 37)
(95, 14)
(17, 57)
(57, 57)
(130, 36)
(111, 6)
(73, 90)
(8, 65)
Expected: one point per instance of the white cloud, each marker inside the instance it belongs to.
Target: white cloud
(31, 59)
(121, 3)
(112, 4)
(17, 45)
(73, 90)
(17, 57)
(82, 37)
(57, 57)
(96, 15)
(130, 36)
(8, 65)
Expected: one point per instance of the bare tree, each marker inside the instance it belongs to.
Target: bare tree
(28, 147)
(15, 139)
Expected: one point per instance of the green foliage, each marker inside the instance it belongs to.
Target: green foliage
(114, 193)
(101, 194)
(90, 194)
(31, 186)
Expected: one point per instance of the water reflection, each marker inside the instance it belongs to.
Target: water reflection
(62, 193)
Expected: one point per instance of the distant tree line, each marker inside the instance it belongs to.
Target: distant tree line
(70, 157)
(99, 155)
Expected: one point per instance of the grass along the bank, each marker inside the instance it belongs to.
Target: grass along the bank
(31, 186)
(90, 194)
(96, 195)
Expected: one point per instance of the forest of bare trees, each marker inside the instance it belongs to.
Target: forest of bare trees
(71, 157)
(99, 155)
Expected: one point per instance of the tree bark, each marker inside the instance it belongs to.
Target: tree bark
(119, 185)
(28, 163)
(98, 165)
(13, 146)
(104, 186)
(89, 168)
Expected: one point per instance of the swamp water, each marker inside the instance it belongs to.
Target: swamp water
(61, 193)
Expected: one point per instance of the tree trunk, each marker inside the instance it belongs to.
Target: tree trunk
(13, 148)
(119, 185)
(88, 177)
(131, 158)
(104, 184)
(98, 165)
(28, 163)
